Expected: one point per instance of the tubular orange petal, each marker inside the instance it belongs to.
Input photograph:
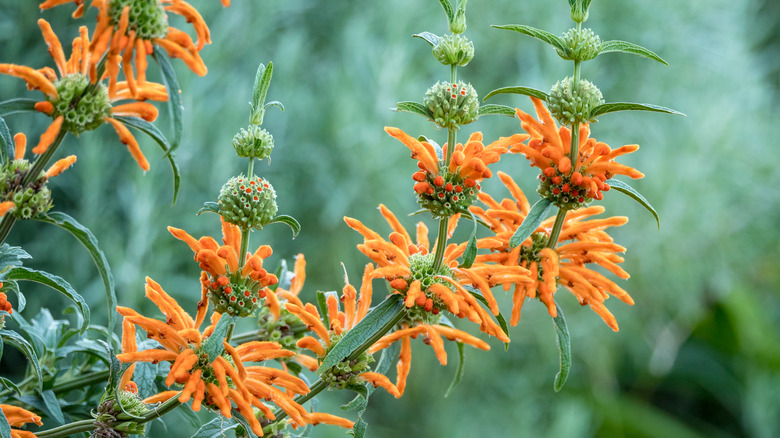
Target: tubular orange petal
(132, 145)
(48, 137)
(60, 166)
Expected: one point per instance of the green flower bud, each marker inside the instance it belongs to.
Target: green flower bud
(286, 330)
(454, 49)
(579, 11)
(458, 23)
(147, 17)
(81, 110)
(345, 373)
(581, 45)
(31, 200)
(253, 142)
(452, 105)
(570, 106)
(247, 202)
(235, 295)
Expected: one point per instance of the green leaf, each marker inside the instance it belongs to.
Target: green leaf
(626, 47)
(88, 240)
(526, 91)
(152, 131)
(430, 38)
(239, 418)
(22, 345)
(448, 10)
(541, 35)
(289, 221)
(215, 428)
(628, 106)
(470, 253)
(380, 319)
(361, 399)
(209, 207)
(6, 143)
(144, 376)
(388, 359)
(322, 303)
(175, 106)
(275, 103)
(9, 385)
(19, 105)
(415, 108)
(622, 187)
(459, 373)
(20, 299)
(12, 256)
(213, 345)
(53, 406)
(54, 282)
(564, 348)
(5, 428)
(259, 91)
(487, 110)
(538, 213)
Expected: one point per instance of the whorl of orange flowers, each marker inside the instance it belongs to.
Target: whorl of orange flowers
(549, 147)
(17, 417)
(581, 243)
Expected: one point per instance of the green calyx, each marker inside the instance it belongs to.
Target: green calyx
(235, 295)
(452, 104)
(426, 310)
(82, 110)
(286, 330)
(253, 142)
(247, 202)
(454, 49)
(147, 18)
(111, 422)
(445, 194)
(569, 105)
(580, 44)
(530, 254)
(345, 373)
(32, 199)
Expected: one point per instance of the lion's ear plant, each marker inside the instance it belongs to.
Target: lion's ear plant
(419, 283)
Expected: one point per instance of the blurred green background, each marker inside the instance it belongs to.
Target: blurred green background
(699, 353)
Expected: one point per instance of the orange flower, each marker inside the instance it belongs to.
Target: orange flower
(232, 288)
(340, 322)
(78, 13)
(564, 182)
(446, 189)
(17, 417)
(408, 268)
(78, 102)
(581, 242)
(219, 382)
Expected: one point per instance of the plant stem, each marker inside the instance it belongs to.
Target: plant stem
(245, 233)
(229, 333)
(441, 244)
(251, 168)
(556, 230)
(80, 382)
(5, 225)
(68, 429)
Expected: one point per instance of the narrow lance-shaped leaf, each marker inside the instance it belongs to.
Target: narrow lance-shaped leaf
(448, 10)
(88, 240)
(538, 213)
(289, 221)
(470, 253)
(430, 38)
(209, 207)
(628, 106)
(376, 320)
(11, 256)
(213, 345)
(414, 108)
(634, 49)
(19, 105)
(525, 91)
(503, 110)
(22, 345)
(50, 400)
(9, 385)
(259, 92)
(21, 301)
(54, 282)
(622, 187)
(6, 143)
(541, 35)
(459, 373)
(563, 340)
(215, 428)
(322, 303)
(175, 106)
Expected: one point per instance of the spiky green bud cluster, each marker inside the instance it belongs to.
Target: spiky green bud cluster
(562, 190)
(82, 110)
(530, 254)
(111, 422)
(247, 202)
(253, 142)
(345, 373)
(452, 105)
(286, 330)
(581, 45)
(570, 106)
(445, 194)
(235, 295)
(454, 49)
(147, 17)
(427, 309)
(32, 199)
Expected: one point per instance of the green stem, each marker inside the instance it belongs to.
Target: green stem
(245, 233)
(171, 404)
(441, 244)
(556, 229)
(68, 429)
(229, 333)
(81, 382)
(6, 224)
(251, 168)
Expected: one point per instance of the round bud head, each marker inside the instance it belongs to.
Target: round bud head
(570, 106)
(247, 202)
(454, 49)
(445, 194)
(81, 110)
(345, 373)
(253, 142)
(452, 104)
(234, 295)
(32, 199)
(147, 18)
(581, 45)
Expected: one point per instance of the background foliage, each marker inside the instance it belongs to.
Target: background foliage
(699, 353)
